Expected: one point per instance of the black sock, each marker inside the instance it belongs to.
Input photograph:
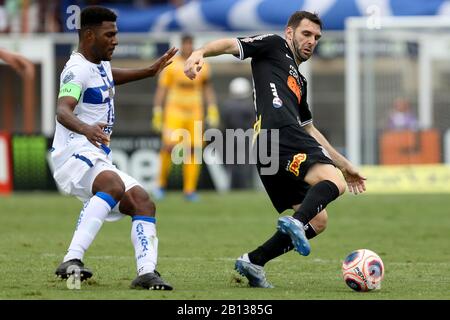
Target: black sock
(316, 199)
(279, 244)
(309, 231)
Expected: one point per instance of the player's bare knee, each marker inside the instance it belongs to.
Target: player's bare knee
(341, 186)
(116, 189)
(333, 176)
(110, 183)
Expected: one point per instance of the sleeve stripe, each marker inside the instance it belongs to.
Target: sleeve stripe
(241, 50)
(306, 122)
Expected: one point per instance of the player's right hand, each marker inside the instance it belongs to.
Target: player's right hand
(157, 119)
(193, 64)
(163, 61)
(95, 134)
(356, 183)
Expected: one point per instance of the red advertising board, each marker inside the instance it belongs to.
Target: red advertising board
(5, 164)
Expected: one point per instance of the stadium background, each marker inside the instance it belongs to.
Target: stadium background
(396, 162)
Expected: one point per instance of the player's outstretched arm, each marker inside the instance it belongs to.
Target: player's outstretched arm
(22, 65)
(355, 181)
(64, 115)
(194, 63)
(122, 76)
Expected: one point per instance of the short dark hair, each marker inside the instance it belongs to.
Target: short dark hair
(298, 16)
(95, 15)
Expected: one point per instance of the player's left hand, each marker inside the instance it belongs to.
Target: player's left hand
(355, 181)
(163, 61)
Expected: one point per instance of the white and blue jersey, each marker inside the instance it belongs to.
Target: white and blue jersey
(95, 105)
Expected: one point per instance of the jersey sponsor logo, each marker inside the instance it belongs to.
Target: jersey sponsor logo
(295, 88)
(294, 165)
(68, 77)
(108, 129)
(276, 102)
(251, 39)
(293, 72)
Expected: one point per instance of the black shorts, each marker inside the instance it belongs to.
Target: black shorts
(298, 152)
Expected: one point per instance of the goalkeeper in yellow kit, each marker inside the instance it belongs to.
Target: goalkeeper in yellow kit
(183, 104)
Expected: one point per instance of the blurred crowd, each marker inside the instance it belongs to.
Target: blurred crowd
(29, 16)
(44, 16)
(136, 3)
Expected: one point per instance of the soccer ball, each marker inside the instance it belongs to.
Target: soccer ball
(363, 270)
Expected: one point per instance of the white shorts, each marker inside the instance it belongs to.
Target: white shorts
(76, 177)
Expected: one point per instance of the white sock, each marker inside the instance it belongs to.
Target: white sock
(89, 223)
(145, 242)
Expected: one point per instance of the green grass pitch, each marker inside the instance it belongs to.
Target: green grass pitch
(199, 242)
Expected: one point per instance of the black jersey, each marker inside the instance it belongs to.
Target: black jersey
(280, 89)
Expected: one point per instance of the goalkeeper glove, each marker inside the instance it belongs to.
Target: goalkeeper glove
(212, 116)
(157, 118)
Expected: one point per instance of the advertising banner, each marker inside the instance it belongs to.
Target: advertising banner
(407, 179)
(5, 164)
(30, 169)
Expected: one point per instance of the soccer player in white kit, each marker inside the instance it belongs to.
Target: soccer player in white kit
(82, 158)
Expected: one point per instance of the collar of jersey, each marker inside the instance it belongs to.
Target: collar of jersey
(84, 58)
(291, 53)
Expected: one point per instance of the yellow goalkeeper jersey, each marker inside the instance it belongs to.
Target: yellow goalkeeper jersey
(183, 93)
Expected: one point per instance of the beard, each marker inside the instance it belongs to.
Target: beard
(107, 57)
(297, 51)
(102, 54)
(301, 57)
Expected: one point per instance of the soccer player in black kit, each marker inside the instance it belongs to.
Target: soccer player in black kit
(307, 179)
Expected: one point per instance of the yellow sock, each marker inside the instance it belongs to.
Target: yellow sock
(166, 162)
(191, 172)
